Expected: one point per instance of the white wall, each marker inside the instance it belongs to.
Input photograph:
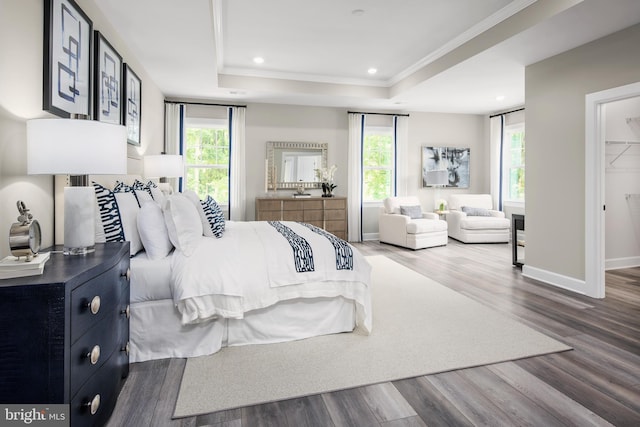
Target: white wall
(622, 177)
(21, 44)
(555, 118)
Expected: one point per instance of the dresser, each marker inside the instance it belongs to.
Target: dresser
(328, 213)
(65, 334)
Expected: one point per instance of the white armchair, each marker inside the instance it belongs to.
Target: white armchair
(425, 230)
(480, 223)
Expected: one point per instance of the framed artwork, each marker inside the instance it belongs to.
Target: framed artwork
(108, 81)
(132, 110)
(67, 59)
(445, 167)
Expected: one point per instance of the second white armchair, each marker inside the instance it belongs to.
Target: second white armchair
(472, 219)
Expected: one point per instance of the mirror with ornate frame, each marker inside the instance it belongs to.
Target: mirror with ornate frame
(293, 164)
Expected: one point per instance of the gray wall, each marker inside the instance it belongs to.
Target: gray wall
(21, 41)
(555, 119)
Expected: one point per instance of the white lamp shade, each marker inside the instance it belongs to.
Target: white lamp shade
(163, 165)
(75, 147)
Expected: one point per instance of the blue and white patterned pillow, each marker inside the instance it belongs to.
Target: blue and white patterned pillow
(214, 215)
(109, 214)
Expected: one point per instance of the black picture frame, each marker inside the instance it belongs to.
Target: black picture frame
(67, 51)
(107, 80)
(132, 98)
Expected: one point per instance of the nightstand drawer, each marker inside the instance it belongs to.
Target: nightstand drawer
(93, 301)
(91, 351)
(103, 384)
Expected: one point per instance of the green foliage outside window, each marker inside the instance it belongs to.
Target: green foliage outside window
(516, 169)
(378, 163)
(207, 158)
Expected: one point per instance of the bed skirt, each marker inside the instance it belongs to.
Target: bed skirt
(157, 333)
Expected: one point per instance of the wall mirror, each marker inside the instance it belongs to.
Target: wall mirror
(291, 164)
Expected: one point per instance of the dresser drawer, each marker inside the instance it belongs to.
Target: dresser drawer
(292, 215)
(269, 205)
(333, 226)
(292, 205)
(312, 204)
(92, 301)
(330, 203)
(310, 216)
(333, 215)
(269, 216)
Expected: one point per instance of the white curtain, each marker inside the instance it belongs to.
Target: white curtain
(173, 125)
(496, 129)
(402, 159)
(237, 170)
(173, 117)
(354, 187)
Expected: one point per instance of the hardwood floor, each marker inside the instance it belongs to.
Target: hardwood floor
(597, 383)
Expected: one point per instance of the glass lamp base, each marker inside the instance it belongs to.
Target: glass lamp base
(78, 251)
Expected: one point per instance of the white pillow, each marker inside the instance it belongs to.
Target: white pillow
(128, 207)
(183, 223)
(153, 231)
(143, 197)
(191, 195)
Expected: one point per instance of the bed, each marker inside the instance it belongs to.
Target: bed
(254, 283)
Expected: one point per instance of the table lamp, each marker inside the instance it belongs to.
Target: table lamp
(77, 148)
(163, 166)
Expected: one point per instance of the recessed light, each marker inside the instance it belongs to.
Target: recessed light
(258, 60)
(500, 98)
(372, 70)
(357, 12)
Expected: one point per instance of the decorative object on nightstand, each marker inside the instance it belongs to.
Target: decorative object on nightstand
(11, 266)
(66, 333)
(25, 235)
(76, 147)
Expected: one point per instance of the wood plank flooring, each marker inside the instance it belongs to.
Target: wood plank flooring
(596, 384)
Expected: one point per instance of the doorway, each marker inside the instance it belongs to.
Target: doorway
(595, 184)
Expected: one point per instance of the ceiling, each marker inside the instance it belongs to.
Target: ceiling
(458, 56)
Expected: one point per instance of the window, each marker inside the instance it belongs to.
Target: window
(513, 163)
(378, 164)
(206, 151)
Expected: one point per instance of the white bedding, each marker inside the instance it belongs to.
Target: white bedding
(151, 278)
(252, 267)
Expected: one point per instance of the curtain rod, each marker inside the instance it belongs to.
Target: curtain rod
(378, 114)
(211, 104)
(507, 112)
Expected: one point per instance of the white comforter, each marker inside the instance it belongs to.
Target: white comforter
(252, 266)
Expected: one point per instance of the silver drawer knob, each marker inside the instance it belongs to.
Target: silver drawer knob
(125, 348)
(94, 404)
(126, 312)
(127, 274)
(94, 305)
(94, 354)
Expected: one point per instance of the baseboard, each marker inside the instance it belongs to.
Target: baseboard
(370, 236)
(617, 263)
(554, 279)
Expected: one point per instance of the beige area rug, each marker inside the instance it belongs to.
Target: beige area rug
(420, 327)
